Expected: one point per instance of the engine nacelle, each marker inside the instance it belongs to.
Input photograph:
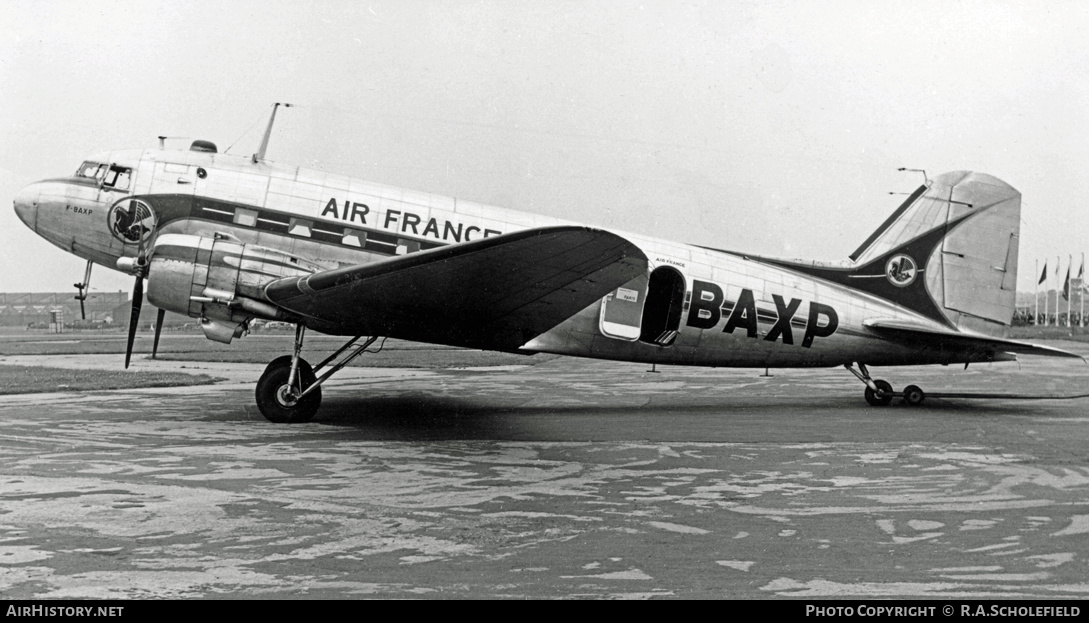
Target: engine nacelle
(219, 280)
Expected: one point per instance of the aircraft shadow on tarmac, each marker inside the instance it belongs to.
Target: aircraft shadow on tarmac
(416, 416)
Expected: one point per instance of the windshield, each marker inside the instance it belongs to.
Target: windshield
(110, 175)
(91, 170)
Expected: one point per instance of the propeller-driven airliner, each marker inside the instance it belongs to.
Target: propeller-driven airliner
(228, 239)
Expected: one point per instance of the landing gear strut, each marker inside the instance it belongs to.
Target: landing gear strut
(882, 396)
(84, 289)
(879, 393)
(289, 390)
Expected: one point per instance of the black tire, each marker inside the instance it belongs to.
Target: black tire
(272, 402)
(882, 397)
(913, 395)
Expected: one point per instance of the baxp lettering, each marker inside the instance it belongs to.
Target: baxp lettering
(706, 312)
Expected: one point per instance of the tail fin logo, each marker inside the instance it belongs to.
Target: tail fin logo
(901, 271)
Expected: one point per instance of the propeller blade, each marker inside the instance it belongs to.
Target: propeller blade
(158, 329)
(134, 318)
(82, 312)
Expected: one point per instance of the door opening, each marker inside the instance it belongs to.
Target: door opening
(661, 321)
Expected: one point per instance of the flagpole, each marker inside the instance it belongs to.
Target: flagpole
(1069, 268)
(1036, 296)
(1081, 291)
(1058, 280)
(1047, 297)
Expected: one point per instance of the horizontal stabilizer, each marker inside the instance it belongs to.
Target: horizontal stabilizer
(918, 334)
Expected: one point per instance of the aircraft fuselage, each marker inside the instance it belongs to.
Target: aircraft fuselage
(695, 306)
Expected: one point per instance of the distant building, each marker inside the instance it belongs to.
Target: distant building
(23, 309)
(123, 312)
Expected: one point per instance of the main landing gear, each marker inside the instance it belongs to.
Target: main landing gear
(879, 393)
(289, 390)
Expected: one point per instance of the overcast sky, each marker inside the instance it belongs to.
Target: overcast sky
(768, 127)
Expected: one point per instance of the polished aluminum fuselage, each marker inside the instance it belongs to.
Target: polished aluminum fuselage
(335, 221)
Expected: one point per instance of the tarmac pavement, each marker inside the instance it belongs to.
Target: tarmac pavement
(566, 478)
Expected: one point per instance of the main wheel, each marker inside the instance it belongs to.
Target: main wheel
(276, 401)
(882, 396)
(913, 395)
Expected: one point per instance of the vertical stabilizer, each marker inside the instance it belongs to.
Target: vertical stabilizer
(949, 252)
(960, 237)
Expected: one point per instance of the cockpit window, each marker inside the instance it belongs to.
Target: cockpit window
(118, 177)
(91, 170)
(110, 176)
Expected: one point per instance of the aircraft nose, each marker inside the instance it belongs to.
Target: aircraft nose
(26, 204)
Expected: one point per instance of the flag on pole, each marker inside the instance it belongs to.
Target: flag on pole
(1047, 297)
(1066, 285)
(1058, 290)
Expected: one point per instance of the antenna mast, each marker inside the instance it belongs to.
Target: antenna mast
(164, 139)
(260, 155)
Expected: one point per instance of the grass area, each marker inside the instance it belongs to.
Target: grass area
(36, 380)
(255, 348)
(440, 358)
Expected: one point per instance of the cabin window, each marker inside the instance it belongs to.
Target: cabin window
(354, 238)
(245, 217)
(300, 227)
(405, 246)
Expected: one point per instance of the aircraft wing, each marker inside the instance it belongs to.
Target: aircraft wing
(494, 293)
(906, 331)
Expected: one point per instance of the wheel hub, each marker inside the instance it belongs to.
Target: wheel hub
(286, 396)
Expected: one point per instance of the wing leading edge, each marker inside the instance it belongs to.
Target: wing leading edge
(917, 334)
(495, 293)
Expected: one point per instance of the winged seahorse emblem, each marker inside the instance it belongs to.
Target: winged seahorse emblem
(901, 270)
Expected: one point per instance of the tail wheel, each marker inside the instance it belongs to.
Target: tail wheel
(913, 395)
(277, 400)
(882, 396)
